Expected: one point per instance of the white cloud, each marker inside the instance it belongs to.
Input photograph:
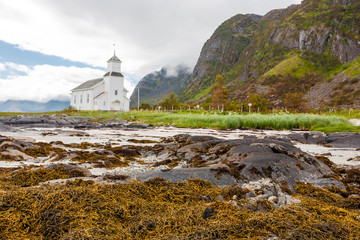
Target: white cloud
(2, 67)
(44, 82)
(17, 67)
(148, 34)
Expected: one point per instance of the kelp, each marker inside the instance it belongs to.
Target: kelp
(32, 176)
(159, 209)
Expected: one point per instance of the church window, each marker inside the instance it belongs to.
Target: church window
(88, 98)
(74, 98)
(81, 98)
(116, 92)
(104, 103)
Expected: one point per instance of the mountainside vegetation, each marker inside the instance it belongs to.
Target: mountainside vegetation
(304, 56)
(155, 86)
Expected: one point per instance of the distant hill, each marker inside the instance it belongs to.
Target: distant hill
(305, 53)
(155, 86)
(30, 106)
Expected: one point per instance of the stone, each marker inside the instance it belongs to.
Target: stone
(343, 140)
(273, 199)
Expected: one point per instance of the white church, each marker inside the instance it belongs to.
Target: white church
(107, 93)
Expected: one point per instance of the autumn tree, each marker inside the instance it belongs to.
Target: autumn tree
(295, 102)
(219, 93)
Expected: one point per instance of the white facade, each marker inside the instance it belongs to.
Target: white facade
(106, 93)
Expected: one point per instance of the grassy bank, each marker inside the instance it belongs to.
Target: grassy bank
(227, 121)
(203, 119)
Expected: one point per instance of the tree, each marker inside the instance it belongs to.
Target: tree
(295, 102)
(258, 103)
(233, 106)
(145, 106)
(219, 93)
(207, 103)
(170, 102)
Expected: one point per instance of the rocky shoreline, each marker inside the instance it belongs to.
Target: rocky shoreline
(269, 163)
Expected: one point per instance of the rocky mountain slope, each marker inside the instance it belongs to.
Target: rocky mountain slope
(305, 53)
(155, 86)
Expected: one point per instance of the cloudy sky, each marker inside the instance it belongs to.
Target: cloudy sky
(48, 47)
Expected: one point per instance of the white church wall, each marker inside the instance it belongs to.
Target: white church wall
(114, 67)
(102, 102)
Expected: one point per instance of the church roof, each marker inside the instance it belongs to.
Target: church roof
(114, 58)
(88, 84)
(116, 74)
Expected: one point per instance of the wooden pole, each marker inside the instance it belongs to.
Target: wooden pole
(138, 99)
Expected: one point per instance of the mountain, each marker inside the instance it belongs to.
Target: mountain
(155, 86)
(305, 53)
(30, 106)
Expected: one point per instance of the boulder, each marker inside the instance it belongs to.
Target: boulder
(343, 140)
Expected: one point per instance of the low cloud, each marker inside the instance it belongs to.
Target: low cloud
(44, 82)
(173, 71)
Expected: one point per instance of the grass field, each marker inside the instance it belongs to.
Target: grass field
(204, 119)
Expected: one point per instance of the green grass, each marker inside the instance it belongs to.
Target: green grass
(353, 113)
(226, 121)
(204, 119)
(353, 68)
(295, 66)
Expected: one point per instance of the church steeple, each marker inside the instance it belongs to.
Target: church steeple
(114, 64)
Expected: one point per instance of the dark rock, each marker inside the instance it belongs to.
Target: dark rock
(308, 137)
(182, 174)
(139, 126)
(343, 140)
(249, 159)
(201, 138)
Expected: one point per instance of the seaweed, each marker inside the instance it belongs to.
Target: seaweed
(42, 149)
(26, 177)
(142, 141)
(159, 209)
(99, 159)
